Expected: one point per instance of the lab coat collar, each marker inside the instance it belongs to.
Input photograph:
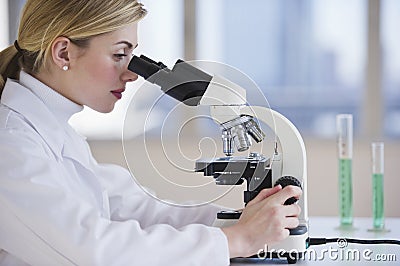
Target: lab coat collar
(46, 110)
(61, 107)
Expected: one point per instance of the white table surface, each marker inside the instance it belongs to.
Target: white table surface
(352, 254)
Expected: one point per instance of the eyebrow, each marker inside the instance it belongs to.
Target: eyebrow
(130, 45)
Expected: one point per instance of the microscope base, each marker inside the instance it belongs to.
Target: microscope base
(292, 248)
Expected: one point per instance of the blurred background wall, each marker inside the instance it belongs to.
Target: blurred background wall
(310, 59)
(322, 176)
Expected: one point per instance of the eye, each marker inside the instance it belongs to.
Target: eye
(120, 56)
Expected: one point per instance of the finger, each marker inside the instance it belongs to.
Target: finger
(286, 193)
(265, 193)
(291, 210)
(283, 234)
(291, 222)
(270, 191)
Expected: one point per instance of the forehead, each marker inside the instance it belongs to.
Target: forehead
(127, 33)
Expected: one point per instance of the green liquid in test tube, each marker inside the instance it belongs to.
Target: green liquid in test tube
(344, 125)
(377, 185)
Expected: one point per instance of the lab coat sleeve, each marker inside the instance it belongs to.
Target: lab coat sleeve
(129, 201)
(45, 224)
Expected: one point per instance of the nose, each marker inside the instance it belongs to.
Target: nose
(129, 76)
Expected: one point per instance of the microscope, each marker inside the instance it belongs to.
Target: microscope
(239, 125)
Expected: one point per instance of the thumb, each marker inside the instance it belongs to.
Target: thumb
(265, 193)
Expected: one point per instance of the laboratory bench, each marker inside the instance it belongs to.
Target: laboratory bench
(343, 253)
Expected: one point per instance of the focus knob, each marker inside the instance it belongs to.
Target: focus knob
(286, 181)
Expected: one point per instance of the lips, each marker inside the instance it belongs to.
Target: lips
(118, 93)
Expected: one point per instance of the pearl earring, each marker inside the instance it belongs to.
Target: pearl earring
(65, 68)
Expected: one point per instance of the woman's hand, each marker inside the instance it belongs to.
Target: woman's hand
(264, 220)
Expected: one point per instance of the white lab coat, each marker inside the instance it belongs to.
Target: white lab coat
(60, 207)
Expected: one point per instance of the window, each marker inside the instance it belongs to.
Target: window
(390, 15)
(308, 60)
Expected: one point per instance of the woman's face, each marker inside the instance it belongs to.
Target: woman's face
(98, 74)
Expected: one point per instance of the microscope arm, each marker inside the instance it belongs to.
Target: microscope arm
(291, 161)
(294, 162)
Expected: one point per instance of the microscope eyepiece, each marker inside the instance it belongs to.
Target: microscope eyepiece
(144, 66)
(184, 82)
(160, 64)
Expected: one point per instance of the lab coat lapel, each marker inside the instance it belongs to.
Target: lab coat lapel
(77, 150)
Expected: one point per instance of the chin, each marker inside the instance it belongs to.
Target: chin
(108, 110)
(103, 109)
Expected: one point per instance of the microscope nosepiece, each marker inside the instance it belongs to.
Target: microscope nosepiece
(241, 138)
(227, 142)
(237, 131)
(255, 131)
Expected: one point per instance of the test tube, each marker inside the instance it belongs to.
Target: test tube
(377, 185)
(344, 125)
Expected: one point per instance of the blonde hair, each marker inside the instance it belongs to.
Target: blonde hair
(42, 21)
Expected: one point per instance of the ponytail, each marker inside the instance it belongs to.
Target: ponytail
(9, 65)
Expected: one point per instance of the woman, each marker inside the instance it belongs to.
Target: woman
(58, 205)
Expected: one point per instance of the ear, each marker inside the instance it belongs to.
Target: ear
(60, 51)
